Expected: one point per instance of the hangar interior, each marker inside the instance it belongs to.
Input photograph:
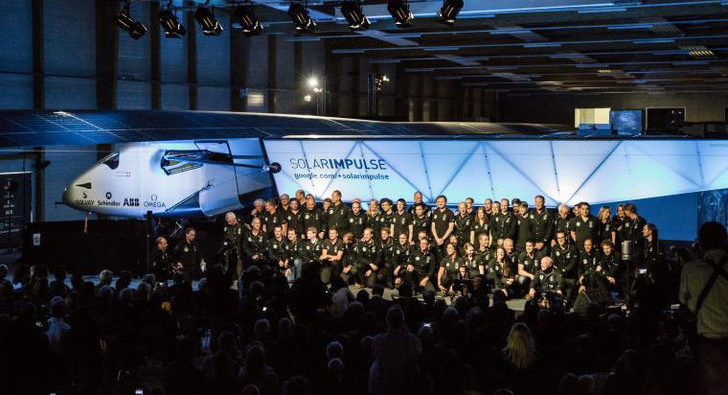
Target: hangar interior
(499, 61)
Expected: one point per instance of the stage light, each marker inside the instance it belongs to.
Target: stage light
(313, 82)
(449, 11)
(135, 29)
(399, 9)
(245, 17)
(208, 23)
(301, 19)
(171, 25)
(307, 98)
(354, 15)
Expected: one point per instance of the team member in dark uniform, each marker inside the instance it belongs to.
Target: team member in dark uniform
(254, 245)
(374, 217)
(481, 225)
(448, 276)
(654, 256)
(472, 263)
(506, 223)
(617, 222)
(233, 234)
(332, 251)
(324, 230)
(583, 227)
(527, 267)
(285, 203)
(418, 199)
(294, 262)
(311, 215)
(591, 275)
(277, 250)
(386, 217)
(631, 230)
(301, 197)
(294, 217)
(488, 207)
(470, 206)
(357, 220)
(443, 223)
(464, 225)
(607, 231)
(387, 258)
(484, 252)
(511, 256)
(162, 265)
(188, 255)
(401, 253)
(401, 221)
(613, 269)
(311, 248)
(367, 260)
(561, 224)
(338, 213)
(525, 227)
(565, 258)
(257, 212)
(547, 279)
(420, 222)
(542, 225)
(500, 273)
(422, 267)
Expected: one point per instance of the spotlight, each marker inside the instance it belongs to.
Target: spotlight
(354, 15)
(249, 24)
(208, 23)
(313, 82)
(449, 11)
(307, 98)
(135, 29)
(171, 25)
(400, 13)
(301, 19)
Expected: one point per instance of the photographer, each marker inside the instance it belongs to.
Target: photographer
(704, 290)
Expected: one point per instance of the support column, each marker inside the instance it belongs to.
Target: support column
(156, 57)
(191, 58)
(107, 46)
(38, 56)
(239, 68)
(271, 73)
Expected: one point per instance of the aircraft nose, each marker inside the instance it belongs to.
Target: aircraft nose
(66, 198)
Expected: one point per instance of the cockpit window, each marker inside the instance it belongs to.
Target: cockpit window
(112, 161)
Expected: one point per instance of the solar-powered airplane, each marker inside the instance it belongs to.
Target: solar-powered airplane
(172, 179)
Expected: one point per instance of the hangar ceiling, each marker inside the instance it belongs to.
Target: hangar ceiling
(529, 46)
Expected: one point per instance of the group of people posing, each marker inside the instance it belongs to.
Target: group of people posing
(503, 245)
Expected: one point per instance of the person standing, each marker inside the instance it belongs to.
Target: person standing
(704, 290)
(188, 255)
(443, 223)
(542, 225)
(162, 265)
(233, 234)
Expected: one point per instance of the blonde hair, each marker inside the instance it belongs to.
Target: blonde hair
(484, 216)
(520, 349)
(604, 210)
